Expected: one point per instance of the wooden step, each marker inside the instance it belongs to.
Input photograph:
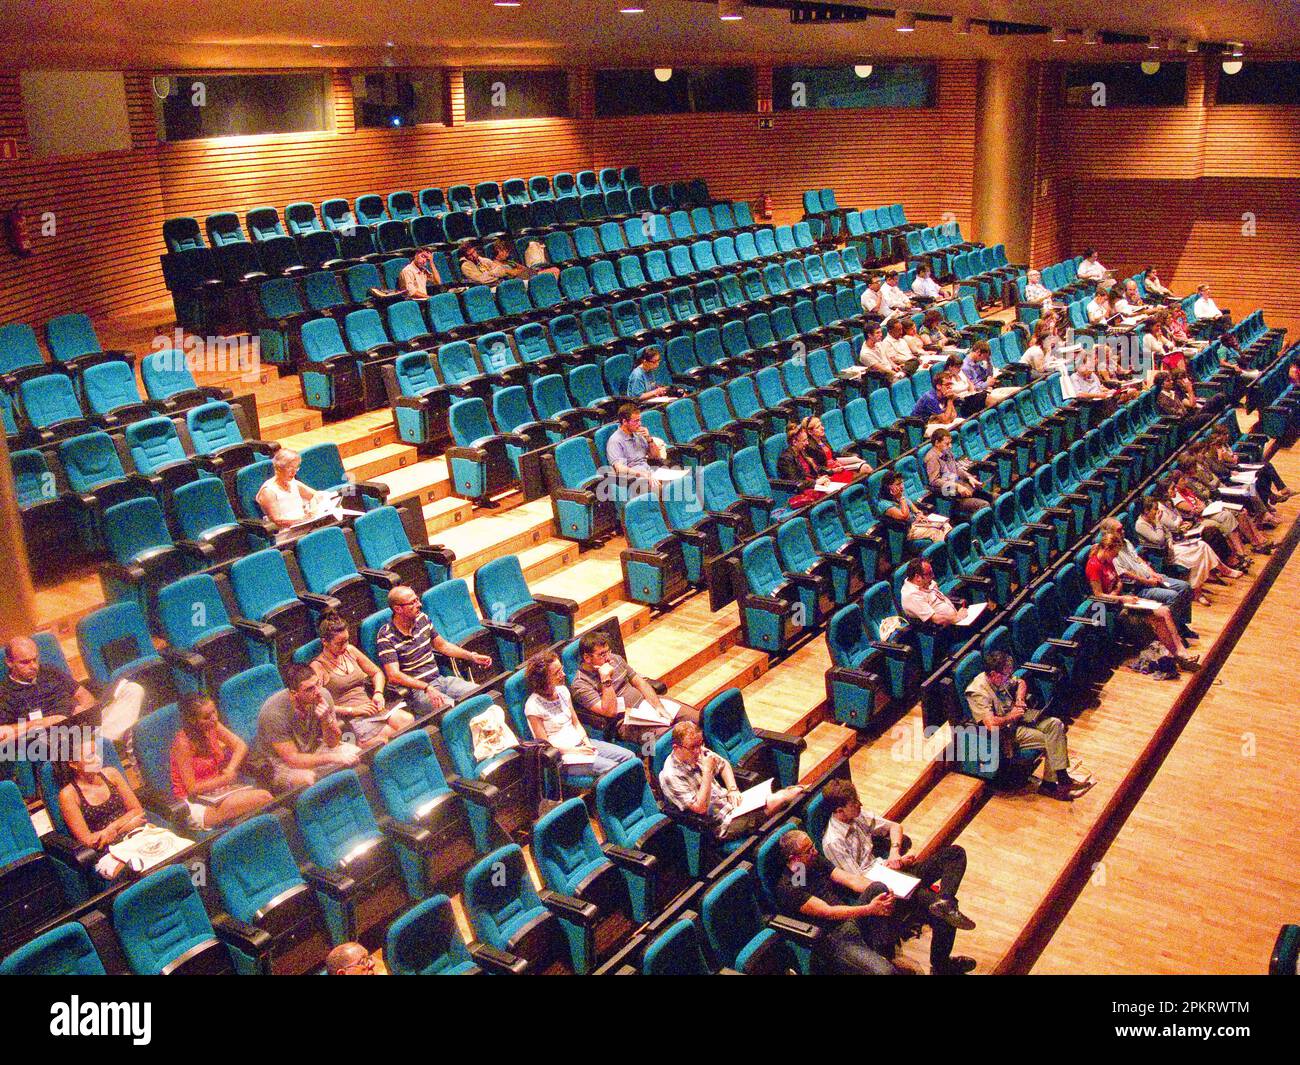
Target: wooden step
(827, 744)
(632, 618)
(275, 397)
(673, 647)
(593, 583)
(446, 512)
(897, 766)
(546, 558)
(942, 812)
(367, 465)
(373, 429)
(734, 668)
(492, 534)
(425, 480)
(281, 426)
(791, 696)
(60, 607)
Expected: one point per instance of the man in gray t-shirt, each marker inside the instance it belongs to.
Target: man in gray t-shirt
(298, 735)
(604, 678)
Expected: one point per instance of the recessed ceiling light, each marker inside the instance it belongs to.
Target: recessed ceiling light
(961, 25)
(731, 10)
(388, 44)
(1060, 35)
(663, 73)
(318, 46)
(1089, 36)
(505, 3)
(1153, 42)
(1191, 47)
(631, 8)
(906, 21)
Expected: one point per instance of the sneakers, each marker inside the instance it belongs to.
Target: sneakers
(946, 910)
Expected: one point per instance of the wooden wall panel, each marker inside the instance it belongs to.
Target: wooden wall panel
(1049, 240)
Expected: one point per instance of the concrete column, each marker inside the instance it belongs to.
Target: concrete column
(1005, 118)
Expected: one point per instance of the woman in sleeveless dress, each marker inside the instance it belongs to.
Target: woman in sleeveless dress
(356, 685)
(97, 803)
(282, 497)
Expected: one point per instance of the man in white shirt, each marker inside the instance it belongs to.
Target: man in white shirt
(1090, 269)
(876, 361)
(873, 304)
(1099, 307)
(924, 285)
(415, 276)
(923, 601)
(1205, 308)
(1087, 385)
(893, 297)
(855, 839)
(897, 349)
(1035, 290)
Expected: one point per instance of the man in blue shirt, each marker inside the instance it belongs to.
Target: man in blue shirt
(641, 383)
(630, 447)
(936, 406)
(978, 366)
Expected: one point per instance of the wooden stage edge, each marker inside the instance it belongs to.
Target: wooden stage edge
(1038, 931)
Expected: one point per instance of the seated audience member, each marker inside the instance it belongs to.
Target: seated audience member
(998, 700)
(1036, 291)
(1138, 576)
(283, 498)
(1087, 385)
(918, 526)
(875, 360)
(641, 382)
(1219, 529)
(1159, 349)
(1154, 285)
(893, 297)
(298, 736)
(1099, 308)
(1040, 356)
(855, 840)
(1172, 403)
(475, 269)
(1128, 300)
(873, 303)
(924, 287)
(350, 959)
(630, 448)
(606, 685)
(1216, 481)
(937, 406)
(206, 758)
(550, 714)
(406, 646)
(1206, 310)
(897, 349)
(1159, 528)
(940, 335)
(415, 276)
(948, 478)
(35, 696)
(914, 341)
(841, 468)
(1090, 269)
(795, 464)
(1104, 579)
(1115, 371)
(1178, 328)
(503, 264)
(698, 780)
(1202, 482)
(356, 685)
(983, 375)
(97, 803)
(921, 600)
(969, 402)
(1223, 460)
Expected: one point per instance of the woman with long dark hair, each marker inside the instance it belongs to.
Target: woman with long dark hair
(206, 758)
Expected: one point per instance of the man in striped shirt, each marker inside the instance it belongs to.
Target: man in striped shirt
(406, 646)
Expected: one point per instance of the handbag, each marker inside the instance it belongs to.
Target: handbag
(149, 845)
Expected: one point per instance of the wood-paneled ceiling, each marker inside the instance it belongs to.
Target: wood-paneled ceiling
(280, 33)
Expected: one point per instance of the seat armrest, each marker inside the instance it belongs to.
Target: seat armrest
(478, 792)
(787, 740)
(245, 937)
(634, 861)
(569, 908)
(802, 932)
(497, 962)
(337, 886)
(413, 837)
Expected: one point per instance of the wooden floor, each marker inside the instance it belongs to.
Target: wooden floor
(1220, 812)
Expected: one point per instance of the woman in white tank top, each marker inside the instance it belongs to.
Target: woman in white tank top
(283, 498)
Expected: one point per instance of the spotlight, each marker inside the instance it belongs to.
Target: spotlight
(961, 25)
(663, 73)
(905, 21)
(1232, 66)
(1060, 35)
(1089, 36)
(1150, 67)
(731, 10)
(863, 70)
(1191, 47)
(1238, 49)
(1153, 43)
(506, 3)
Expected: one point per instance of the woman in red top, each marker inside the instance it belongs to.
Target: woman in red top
(823, 457)
(1104, 579)
(206, 756)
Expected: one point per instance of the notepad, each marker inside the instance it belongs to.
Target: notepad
(900, 884)
(972, 614)
(754, 798)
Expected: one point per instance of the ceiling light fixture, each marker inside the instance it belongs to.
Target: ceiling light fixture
(1060, 35)
(863, 70)
(1153, 42)
(1232, 66)
(505, 3)
(1238, 49)
(1151, 66)
(961, 25)
(1089, 36)
(731, 10)
(1191, 47)
(663, 73)
(905, 21)
(631, 8)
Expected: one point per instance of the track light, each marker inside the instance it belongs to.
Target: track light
(506, 3)
(905, 21)
(1191, 47)
(1060, 35)
(731, 10)
(663, 73)
(961, 25)
(1153, 43)
(1089, 36)
(863, 70)
(1237, 49)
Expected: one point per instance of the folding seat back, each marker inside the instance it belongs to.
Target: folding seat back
(165, 930)
(611, 237)
(65, 950)
(425, 941)
(264, 223)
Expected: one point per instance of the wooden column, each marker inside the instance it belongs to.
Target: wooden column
(1005, 116)
(17, 597)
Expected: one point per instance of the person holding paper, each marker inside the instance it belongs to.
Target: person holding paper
(1104, 579)
(873, 303)
(356, 685)
(897, 349)
(922, 600)
(1219, 480)
(937, 405)
(1204, 485)
(630, 448)
(1218, 528)
(893, 297)
(860, 931)
(694, 778)
(283, 498)
(1159, 528)
(920, 528)
(1090, 269)
(1146, 583)
(641, 382)
(999, 700)
(550, 714)
(1224, 461)
(857, 843)
(840, 468)
(206, 757)
(298, 736)
(875, 360)
(606, 686)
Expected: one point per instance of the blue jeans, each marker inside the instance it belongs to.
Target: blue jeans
(608, 755)
(1176, 595)
(453, 688)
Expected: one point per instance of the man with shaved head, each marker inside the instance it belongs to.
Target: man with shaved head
(349, 959)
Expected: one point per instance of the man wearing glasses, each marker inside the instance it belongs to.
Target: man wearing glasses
(405, 648)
